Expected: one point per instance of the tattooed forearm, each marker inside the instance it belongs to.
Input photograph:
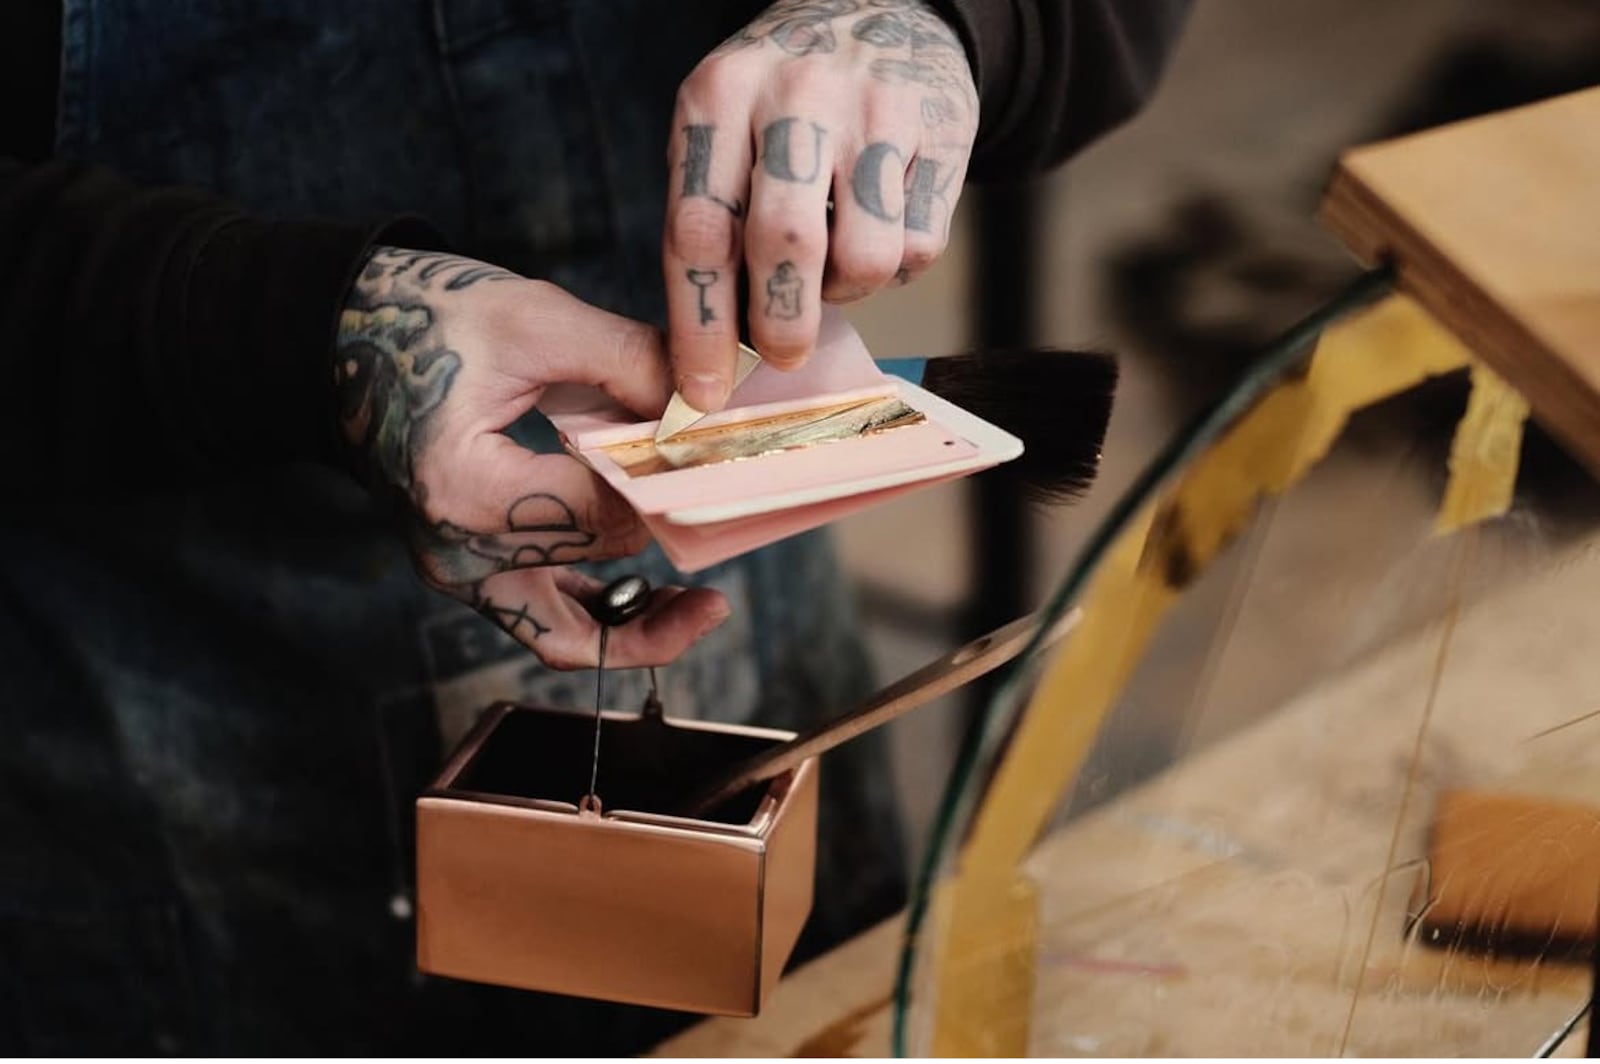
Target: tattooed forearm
(424, 267)
(777, 151)
(783, 292)
(698, 140)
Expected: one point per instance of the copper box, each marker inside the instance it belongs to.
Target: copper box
(517, 887)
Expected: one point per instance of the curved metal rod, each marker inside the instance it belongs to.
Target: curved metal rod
(939, 677)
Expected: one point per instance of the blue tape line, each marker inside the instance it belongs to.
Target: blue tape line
(909, 369)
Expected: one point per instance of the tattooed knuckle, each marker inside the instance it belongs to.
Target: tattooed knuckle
(563, 658)
(612, 520)
(782, 238)
(864, 265)
(921, 254)
(804, 85)
(717, 80)
(785, 346)
(632, 540)
(702, 232)
(887, 112)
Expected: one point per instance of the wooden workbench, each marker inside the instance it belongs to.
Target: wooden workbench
(1225, 906)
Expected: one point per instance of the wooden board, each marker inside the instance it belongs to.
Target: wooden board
(836, 1006)
(1238, 901)
(1494, 224)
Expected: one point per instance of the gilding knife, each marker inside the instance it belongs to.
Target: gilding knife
(936, 678)
(680, 415)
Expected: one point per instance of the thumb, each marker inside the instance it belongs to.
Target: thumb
(583, 344)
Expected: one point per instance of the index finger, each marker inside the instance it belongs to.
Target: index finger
(701, 252)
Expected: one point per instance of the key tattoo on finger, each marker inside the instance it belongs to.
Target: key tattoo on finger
(703, 280)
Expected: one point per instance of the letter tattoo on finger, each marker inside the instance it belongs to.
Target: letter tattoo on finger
(777, 147)
(697, 168)
(866, 179)
(923, 188)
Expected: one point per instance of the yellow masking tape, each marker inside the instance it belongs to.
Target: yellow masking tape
(1484, 454)
(1387, 349)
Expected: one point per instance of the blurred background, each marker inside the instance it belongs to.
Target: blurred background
(1182, 242)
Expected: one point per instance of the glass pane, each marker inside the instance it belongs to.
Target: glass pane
(1348, 801)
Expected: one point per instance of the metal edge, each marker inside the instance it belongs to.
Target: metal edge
(469, 746)
(756, 828)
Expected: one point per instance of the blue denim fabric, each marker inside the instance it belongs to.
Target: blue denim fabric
(220, 705)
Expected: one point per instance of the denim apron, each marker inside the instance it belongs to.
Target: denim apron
(219, 706)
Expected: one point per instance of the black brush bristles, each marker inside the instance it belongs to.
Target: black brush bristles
(1058, 403)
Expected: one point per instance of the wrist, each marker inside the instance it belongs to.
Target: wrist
(340, 447)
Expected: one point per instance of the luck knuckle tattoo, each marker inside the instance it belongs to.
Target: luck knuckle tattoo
(928, 187)
(792, 150)
(877, 171)
(699, 146)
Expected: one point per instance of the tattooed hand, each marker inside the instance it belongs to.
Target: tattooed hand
(869, 103)
(436, 356)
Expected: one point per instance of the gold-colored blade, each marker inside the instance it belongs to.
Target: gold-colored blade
(769, 435)
(680, 415)
(938, 677)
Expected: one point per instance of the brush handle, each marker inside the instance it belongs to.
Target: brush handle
(939, 677)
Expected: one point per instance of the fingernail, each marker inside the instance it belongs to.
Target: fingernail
(713, 622)
(788, 361)
(704, 391)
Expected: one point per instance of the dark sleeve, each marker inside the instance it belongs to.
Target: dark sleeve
(157, 336)
(1053, 75)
